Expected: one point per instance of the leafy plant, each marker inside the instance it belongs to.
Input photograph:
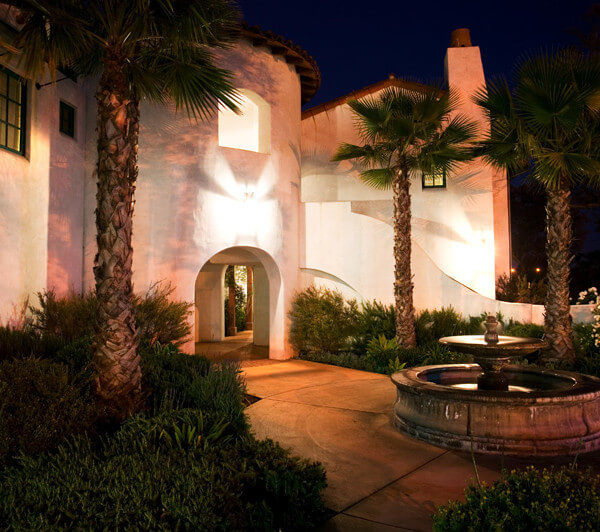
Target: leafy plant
(41, 404)
(69, 317)
(382, 350)
(531, 499)
(321, 321)
(431, 325)
(193, 382)
(520, 289)
(160, 318)
(373, 319)
(136, 480)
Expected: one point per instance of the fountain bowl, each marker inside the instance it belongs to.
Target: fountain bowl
(544, 412)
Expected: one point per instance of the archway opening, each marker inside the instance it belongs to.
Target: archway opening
(254, 331)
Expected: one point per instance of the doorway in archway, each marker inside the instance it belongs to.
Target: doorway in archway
(234, 305)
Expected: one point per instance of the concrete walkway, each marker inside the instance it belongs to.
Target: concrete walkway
(239, 347)
(378, 479)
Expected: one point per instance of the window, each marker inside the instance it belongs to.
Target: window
(435, 180)
(13, 93)
(66, 119)
(250, 129)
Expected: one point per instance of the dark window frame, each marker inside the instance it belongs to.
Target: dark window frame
(65, 105)
(23, 107)
(434, 186)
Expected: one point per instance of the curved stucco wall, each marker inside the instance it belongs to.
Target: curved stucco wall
(454, 225)
(351, 250)
(195, 198)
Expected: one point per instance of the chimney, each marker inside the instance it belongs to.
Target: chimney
(460, 38)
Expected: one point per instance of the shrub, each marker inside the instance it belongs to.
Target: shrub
(431, 355)
(41, 403)
(192, 382)
(321, 320)
(417, 356)
(519, 289)
(68, 318)
(529, 330)
(139, 481)
(161, 319)
(344, 360)
(374, 319)
(381, 350)
(18, 343)
(431, 325)
(531, 499)
(75, 316)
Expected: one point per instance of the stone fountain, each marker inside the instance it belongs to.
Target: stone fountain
(495, 407)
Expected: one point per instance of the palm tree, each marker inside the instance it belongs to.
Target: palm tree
(546, 125)
(404, 132)
(159, 50)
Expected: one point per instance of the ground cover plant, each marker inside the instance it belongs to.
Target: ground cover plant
(564, 499)
(365, 339)
(185, 461)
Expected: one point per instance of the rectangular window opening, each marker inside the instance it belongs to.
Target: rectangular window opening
(437, 179)
(13, 94)
(66, 122)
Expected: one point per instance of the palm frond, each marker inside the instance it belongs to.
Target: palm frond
(379, 178)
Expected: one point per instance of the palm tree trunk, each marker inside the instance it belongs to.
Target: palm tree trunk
(403, 285)
(558, 327)
(116, 360)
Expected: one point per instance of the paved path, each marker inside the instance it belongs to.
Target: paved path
(238, 347)
(378, 479)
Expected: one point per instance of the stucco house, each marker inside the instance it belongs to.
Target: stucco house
(254, 189)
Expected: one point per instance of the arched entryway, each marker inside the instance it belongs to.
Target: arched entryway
(211, 294)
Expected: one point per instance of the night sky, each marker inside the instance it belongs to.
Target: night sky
(358, 43)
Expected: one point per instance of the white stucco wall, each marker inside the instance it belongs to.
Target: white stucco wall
(39, 195)
(191, 198)
(455, 227)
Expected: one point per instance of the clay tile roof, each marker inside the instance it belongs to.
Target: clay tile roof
(305, 65)
(391, 81)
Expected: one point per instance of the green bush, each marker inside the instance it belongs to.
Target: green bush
(69, 318)
(321, 321)
(529, 330)
(193, 382)
(431, 325)
(139, 480)
(382, 350)
(531, 499)
(75, 316)
(373, 320)
(160, 318)
(42, 403)
(418, 356)
(344, 360)
(17, 343)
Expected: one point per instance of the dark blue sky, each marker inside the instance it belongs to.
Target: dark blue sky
(358, 43)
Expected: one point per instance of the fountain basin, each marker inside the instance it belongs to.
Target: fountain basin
(544, 412)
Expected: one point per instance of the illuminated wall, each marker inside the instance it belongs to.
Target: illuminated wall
(195, 198)
(347, 222)
(41, 206)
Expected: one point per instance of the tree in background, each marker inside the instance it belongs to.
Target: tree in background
(404, 132)
(158, 50)
(547, 124)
